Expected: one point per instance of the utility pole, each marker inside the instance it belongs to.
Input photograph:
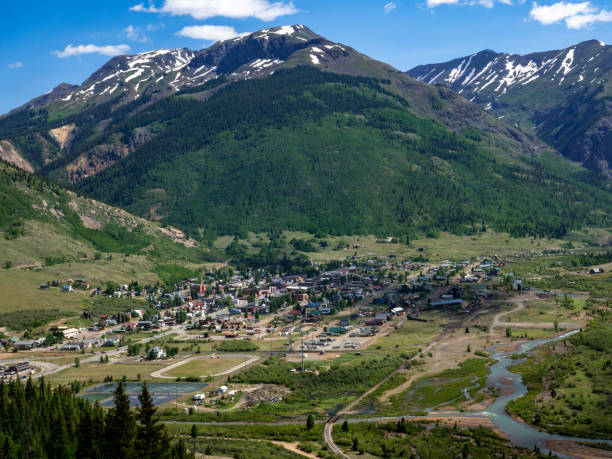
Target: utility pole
(302, 338)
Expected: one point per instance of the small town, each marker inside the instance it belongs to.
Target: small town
(288, 229)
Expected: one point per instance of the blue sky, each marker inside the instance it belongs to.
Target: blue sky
(35, 54)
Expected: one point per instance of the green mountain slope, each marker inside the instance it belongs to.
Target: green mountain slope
(304, 149)
(43, 223)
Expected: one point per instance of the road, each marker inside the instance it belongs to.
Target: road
(49, 368)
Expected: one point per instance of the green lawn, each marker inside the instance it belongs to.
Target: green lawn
(410, 336)
(98, 371)
(203, 367)
(544, 311)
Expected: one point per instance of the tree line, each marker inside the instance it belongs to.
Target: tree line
(37, 421)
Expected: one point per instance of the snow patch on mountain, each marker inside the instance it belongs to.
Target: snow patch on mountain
(284, 30)
(566, 65)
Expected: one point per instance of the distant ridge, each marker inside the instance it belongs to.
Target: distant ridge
(562, 96)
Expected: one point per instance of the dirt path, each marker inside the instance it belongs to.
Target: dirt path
(239, 404)
(293, 447)
(543, 325)
(289, 446)
(520, 301)
(385, 397)
(576, 450)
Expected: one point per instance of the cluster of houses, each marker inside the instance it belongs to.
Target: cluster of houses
(15, 371)
(233, 305)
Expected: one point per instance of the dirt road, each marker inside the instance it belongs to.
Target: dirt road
(520, 302)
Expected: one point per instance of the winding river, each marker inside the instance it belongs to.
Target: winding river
(516, 431)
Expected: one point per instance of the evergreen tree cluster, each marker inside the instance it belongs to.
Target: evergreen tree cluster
(37, 421)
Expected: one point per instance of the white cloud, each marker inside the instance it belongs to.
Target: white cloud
(134, 34)
(15, 65)
(556, 12)
(390, 7)
(586, 20)
(575, 15)
(78, 50)
(204, 9)
(434, 3)
(154, 27)
(208, 32)
(485, 3)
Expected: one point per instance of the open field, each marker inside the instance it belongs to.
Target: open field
(98, 371)
(545, 311)
(446, 246)
(20, 290)
(203, 367)
(21, 287)
(527, 333)
(271, 344)
(58, 358)
(409, 337)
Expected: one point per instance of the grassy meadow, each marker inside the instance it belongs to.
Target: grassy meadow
(446, 246)
(202, 367)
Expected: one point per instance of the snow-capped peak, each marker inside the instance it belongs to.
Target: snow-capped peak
(283, 30)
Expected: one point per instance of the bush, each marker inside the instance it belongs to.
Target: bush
(236, 346)
(30, 318)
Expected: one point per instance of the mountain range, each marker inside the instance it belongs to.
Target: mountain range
(562, 96)
(284, 129)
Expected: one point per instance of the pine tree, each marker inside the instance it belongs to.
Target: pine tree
(152, 437)
(179, 450)
(89, 438)
(120, 426)
(310, 422)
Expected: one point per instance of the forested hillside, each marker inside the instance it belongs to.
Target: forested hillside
(340, 154)
(42, 222)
